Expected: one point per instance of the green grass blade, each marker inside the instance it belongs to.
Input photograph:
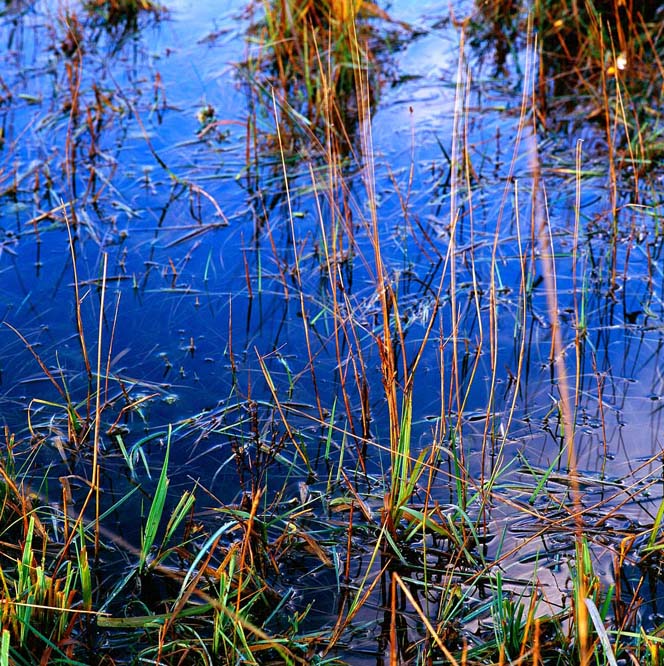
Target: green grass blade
(157, 508)
(202, 553)
(84, 570)
(655, 528)
(179, 514)
(4, 648)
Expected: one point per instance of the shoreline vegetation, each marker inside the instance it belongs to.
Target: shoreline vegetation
(375, 521)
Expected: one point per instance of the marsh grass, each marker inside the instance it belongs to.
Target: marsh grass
(308, 55)
(524, 632)
(405, 523)
(44, 605)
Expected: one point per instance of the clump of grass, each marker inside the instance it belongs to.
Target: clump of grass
(45, 601)
(192, 589)
(195, 591)
(124, 13)
(310, 53)
(602, 55)
(610, 55)
(294, 33)
(582, 42)
(40, 610)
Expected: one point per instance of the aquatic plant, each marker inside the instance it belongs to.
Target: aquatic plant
(609, 55)
(122, 12)
(336, 499)
(309, 53)
(46, 603)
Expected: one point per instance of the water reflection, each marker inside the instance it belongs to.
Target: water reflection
(247, 314)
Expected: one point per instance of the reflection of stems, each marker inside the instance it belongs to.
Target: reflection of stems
(79, 320)
(547, 257)
(73, 70)
(296, 259)
(95, 441)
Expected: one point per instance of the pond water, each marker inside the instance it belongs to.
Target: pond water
(158, 151)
